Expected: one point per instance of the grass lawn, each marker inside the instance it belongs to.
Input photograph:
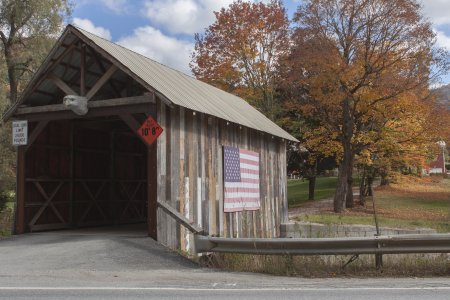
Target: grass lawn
(298, 190)
(411, 203)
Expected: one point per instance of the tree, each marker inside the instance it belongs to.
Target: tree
(404, 143)
(240, 51)
(7, 155)
(356, 59)
(304, 158)
(27, 30)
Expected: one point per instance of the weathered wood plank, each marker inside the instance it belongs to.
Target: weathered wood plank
(60, 112)
(203, 164)
(83, 70)
(162, 172)
(181, 195)
(190, 147)
(61, 84)
(115, 102)
(179, 217)
(212, 166)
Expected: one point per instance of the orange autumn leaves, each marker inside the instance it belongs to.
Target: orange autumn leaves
(241, 50)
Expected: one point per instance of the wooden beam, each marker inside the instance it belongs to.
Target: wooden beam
(133, 124)
(36, 131)
(101, 82)
(89, 62)
(102, 67)
(83, 70)
(115, 102)
(50, 69)
(69, 59)
(45, 93)
(61, 57)
(62, 85)
(130, 121)
(179, 217)
(47, 203)
(20, 191)
(92, 113)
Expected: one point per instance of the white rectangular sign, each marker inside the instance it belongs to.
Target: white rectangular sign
(20, 133)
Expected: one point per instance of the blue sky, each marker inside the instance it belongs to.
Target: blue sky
(164, 29)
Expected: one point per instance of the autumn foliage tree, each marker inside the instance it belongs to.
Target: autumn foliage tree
(28, 28)
(27, 31)
(240, 51)
(357, 63)
(405, 141)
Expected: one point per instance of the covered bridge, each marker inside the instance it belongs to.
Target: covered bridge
(97, 165)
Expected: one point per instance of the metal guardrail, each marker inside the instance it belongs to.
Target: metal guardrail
(399, 244)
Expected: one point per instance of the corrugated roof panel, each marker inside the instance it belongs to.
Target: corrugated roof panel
(186, 91)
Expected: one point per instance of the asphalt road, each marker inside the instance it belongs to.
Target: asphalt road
(123, 263)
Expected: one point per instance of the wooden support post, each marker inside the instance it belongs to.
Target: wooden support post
(83, 70)
(152, 191)
(72, 174)
(20, 191)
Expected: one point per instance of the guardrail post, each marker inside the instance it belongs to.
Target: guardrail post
(378, 257)
(379, 261)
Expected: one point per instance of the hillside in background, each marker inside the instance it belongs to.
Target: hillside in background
(443, 95)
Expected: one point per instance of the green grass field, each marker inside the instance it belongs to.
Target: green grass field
(413, 203)
(298, 190)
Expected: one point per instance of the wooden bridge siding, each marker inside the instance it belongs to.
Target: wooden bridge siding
(190, 179)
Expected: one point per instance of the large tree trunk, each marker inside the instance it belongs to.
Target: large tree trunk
(312, 181)
(341, 189)
(341, 195)
(349, 201)
(344, 176)
(312, 187)
(11, 73)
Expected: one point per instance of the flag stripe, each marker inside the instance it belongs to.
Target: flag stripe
(241, 194)
(251, 185)
(250, 157)
(249, 167)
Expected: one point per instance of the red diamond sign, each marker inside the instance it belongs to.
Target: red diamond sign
(149, 130)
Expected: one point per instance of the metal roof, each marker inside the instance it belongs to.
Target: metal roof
(184, 90)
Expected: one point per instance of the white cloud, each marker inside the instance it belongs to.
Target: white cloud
(117, 6)
(183, 16)
(89, 26)
(153, 44)
(443, 40)
(437, 11)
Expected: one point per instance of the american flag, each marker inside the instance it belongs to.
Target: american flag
(241, 177)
